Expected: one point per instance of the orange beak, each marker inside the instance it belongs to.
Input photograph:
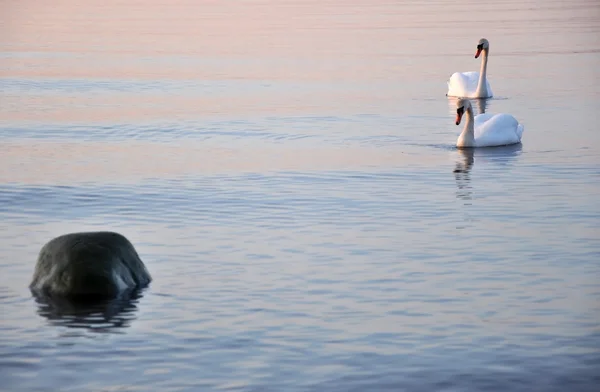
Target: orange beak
(458, 118)
(478, 52)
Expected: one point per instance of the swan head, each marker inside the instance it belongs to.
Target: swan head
(481, 46)
(462, 105)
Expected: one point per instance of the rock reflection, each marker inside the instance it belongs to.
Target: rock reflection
(105, 316)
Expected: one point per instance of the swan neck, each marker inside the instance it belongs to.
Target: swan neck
(482, 84)
(468, 133)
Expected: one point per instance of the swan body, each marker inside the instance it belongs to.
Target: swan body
(472, 84)
(486, 130)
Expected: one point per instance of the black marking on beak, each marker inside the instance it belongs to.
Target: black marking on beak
(479, 50)
(459, 114)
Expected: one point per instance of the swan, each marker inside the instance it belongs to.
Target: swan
(486, 130)
(472, 84)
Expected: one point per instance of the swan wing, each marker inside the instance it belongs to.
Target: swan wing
(497, 130)
(463, 84)
(520, 129)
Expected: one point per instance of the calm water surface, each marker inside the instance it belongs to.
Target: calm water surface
(287, 172)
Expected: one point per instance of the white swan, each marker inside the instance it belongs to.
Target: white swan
(472, 84)
(486, 130)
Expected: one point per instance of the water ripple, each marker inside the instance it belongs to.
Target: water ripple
(288, 174)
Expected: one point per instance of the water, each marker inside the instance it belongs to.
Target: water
(287, 172)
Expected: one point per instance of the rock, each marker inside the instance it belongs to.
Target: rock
(93, 264)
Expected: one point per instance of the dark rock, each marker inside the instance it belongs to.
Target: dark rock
(89, 265)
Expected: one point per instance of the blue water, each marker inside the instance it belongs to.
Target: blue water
(288, 175)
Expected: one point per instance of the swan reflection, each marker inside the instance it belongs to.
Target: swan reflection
(479, 104)
(499, 156)
(106, 316)
(462, 173)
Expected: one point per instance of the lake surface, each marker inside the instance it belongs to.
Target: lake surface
(287, 172)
